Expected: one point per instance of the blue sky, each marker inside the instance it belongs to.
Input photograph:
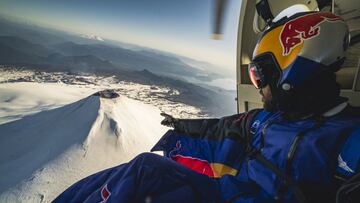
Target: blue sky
(179, 26)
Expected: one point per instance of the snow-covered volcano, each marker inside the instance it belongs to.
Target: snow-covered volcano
(44, 153)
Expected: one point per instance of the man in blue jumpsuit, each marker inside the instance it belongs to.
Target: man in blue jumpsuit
(301, 147)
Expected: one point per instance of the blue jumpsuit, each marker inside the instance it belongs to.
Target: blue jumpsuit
(252, 157)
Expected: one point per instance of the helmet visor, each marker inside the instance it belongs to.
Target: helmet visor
(264, 70)
(255, 76)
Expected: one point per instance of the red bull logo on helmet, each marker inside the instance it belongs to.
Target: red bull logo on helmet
(296, 31)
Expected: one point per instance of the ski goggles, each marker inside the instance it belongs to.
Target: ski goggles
(263, 70)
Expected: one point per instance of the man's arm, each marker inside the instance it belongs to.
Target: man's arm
(234, 126)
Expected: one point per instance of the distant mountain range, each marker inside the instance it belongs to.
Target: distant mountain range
(50, 50)
(26, 41)
(92, 58)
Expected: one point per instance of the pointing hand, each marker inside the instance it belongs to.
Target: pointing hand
(168, 120)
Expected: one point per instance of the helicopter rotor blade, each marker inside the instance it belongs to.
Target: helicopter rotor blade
(219, 18)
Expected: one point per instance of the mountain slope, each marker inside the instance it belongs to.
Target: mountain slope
(24, 46)
(9, 55)
(44, 153)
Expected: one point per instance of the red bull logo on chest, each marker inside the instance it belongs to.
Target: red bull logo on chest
(296, 31)
(210, 169)
(105, 194)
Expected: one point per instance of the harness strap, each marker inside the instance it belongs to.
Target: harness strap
(293, 148)
(256, 154)
(287, 180)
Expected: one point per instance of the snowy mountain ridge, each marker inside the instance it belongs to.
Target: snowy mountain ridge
(44, 153)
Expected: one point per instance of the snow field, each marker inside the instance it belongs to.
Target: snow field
(49, 149)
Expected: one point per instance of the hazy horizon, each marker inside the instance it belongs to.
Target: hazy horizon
(179, 27)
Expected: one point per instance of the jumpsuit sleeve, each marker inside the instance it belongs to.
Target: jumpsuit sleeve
(234, 127)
